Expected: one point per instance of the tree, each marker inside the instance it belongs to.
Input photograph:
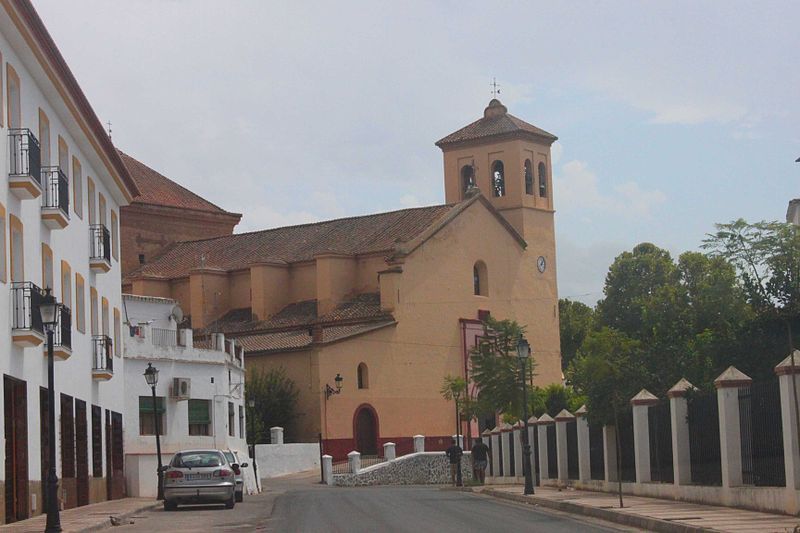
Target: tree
(552, 398)
(496, 370)
(275, 398)
(575, 321)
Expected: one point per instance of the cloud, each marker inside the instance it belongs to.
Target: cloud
(578, 189)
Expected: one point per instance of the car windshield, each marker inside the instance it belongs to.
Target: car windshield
(196, 459)
(229, 457)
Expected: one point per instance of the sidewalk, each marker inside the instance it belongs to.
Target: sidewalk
(89, 517)
(650, 514)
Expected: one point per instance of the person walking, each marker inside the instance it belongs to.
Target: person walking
(454, 453)
(480, 459)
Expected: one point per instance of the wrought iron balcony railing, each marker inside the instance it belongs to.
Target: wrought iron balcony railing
(56, 190)
(25, 300)
(25, 155)
(100, 242)
(62, 335)
(103, 354)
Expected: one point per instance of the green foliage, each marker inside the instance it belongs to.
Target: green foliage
(575, 321)
(275, 397)
(496, 370)
(555, 397)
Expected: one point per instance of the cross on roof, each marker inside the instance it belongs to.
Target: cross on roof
(495, 87)
(109, 128)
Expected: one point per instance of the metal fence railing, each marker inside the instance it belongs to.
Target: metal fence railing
(165, 337)
(552, 452)
(660, 429)
(99, 242)
(24, 154)
(761, 432)
(627, 457)
(56, 189)
(512, 467)
(597, 467)
(26, 298)
(341, 467)
(499, 466)
(704, 445)
(572, 450)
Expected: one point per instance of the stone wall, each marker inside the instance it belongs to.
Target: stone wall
(423, 468)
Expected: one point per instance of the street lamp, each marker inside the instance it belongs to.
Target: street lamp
(329, 391)
(151, 377)
(523, 354)
(459, 479)
(49, 308)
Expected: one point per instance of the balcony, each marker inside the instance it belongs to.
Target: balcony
(26, 321)
(62, 335)
(99, 248)
(102, 357)
(55, 204)
(24, 164)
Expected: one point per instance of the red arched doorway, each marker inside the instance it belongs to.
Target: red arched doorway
(365, 430)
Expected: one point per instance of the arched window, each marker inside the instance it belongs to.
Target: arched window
(363, 376)
(480, 282)
(542, 180)
(467, 178)
(498, 179)
(528, 177)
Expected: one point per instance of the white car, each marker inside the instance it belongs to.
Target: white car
(199, 476)
(233, 458)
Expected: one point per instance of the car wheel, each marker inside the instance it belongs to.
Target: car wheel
(170, 506)
(230, 503)
(239, 496)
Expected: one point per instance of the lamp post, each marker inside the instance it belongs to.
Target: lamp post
(523, 354)
(329, 391)
(459, 479)
(49, 309)
(151, 377)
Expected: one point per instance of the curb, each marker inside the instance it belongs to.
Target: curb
(638, 521)
(107, 522)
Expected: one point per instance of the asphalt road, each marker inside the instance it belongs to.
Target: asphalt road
(300, 505)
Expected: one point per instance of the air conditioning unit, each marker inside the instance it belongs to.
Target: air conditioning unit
(181, 388)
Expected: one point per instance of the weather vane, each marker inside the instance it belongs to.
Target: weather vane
(109, 128)
(495, 87)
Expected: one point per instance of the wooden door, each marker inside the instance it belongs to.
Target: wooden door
(16, 434)
(109, 471)
(82, 452)
(366, 432)
(117, 457)
(68, 482)
(44, 441)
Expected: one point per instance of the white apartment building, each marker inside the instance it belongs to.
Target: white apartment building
(59, 213)
(199, 395)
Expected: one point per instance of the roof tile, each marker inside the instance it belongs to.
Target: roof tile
(496, 121)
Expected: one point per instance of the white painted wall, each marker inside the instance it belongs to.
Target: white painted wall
(281, 459)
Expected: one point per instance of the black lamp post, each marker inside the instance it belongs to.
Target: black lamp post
(523, 354)
(459, 479)
(151, 377)
(49, 309)
(329, 391)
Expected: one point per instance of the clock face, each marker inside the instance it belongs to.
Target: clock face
(541, 264)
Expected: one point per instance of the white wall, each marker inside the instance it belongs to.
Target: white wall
(281, 459)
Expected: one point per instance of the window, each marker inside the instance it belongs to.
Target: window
(13, 95)
(363, 376)
(467, 178)
(63, 156)
(199, 417)
(97, 442)
(104, 310)
(44, 138)
(141, 259)
(80, 303)
(47, 268)
(241, 421)
(479, 279)
(114, 236)
(17, 249)
(498, 179)
(101, 209)
(231, 415)
(147, 424)
(117, 333)
(77, 187)
(542, 180)
(528, 177)
(66, 284)
(93, 310)
(90, 199)
(3, 273)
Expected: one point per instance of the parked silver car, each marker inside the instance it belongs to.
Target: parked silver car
(199, 476)
(233, 459)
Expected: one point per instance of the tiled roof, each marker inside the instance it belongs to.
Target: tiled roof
(157, 189)
(299, 339)
(496, 121)
(350, 236)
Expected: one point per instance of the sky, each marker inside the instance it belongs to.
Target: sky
(671, 116)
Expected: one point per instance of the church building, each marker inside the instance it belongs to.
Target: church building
(389, 303)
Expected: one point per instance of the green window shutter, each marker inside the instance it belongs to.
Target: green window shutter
(199, 412)
(146, 404)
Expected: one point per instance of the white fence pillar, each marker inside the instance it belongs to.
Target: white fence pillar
(678, 412)
(276, 435)
(584, 467)
(354, 460)
(389, 451)
(327, 469)
(788, 373)
(541, 428)
(496, 458)
(610, 452)
(562, 419)
(419, 443)
(641, 433)
(516, 436)
(730, 434)
(505, 436)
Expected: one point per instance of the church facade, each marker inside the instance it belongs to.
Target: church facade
(391, 303)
